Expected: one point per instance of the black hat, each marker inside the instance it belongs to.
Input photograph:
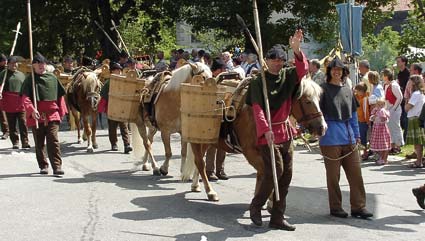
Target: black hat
(276, 52)
(68, 59)
(123, 54)
(217, 64)
(336, 62)
(2, 57)
(114, 66)
(12, 59)
(38, 58)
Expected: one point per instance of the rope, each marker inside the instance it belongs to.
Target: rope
(230, 108)
(356, 147)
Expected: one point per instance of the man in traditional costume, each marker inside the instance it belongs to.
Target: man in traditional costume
(3, 118)
(281, 82)
(51, 108)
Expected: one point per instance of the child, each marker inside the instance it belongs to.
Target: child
(415, 134)
(361, 94)
(381, 139)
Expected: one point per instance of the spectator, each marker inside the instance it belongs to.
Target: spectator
(377, 90)
(363, 113)
(161, 65)
(380, 140)
(394, 97)
(415, 134)
(238, 68)
(316, 74)
(227, 58)
(364, 68)
(402, 78)
(252, 64)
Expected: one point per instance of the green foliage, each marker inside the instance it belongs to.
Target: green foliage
(214, 42)
(413, 34)
(381, 49)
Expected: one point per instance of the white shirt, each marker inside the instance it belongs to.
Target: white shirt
(417, 100)
(240, 71)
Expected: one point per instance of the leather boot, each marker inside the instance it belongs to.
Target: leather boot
(255, 215)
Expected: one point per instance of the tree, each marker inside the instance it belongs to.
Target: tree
(413, 34)
(381, 49)
(318, 18)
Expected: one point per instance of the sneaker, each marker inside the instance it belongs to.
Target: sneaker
(58, 171)
(128, 149)
(44, 171)
(114, 147)
(5, 136)
(363, 213)
(26, 146)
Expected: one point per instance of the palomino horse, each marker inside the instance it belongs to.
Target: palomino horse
(167, 115)
(305, 109)
(83, 97)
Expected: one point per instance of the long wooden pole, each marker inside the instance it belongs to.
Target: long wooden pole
(31, 58)
(266, 100)
(18, 27)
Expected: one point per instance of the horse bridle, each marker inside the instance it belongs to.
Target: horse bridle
(308, 117)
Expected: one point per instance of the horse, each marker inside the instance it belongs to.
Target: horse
(167, 115)
(305, 109)
(82, 95)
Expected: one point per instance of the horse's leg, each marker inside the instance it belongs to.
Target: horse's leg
(199, 152)
(93, 129)
(167, 146)
(88, 132)
(148, 148)
(195, 182)
(183, 154)
(76, 115)
(146, 167)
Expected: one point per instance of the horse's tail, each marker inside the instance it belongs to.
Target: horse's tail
(137, 141)
(189, 165)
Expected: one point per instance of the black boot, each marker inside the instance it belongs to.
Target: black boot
(255, 215)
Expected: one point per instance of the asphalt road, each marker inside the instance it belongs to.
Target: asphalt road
(101, 197)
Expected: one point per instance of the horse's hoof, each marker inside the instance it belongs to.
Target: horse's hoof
(196, 188)
(156, 172)
(90, 150)
(146, 167)
(213, 197)
(163, 172)
(95, 146)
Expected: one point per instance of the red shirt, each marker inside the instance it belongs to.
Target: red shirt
(12, 102)
(281, 127)
(49, 110)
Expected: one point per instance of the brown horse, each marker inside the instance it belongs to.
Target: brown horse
(305, 109)
(167, 116)
(83, 97)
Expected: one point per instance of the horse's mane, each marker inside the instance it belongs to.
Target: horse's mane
(310, 88)
(90, 79)
(182, 75)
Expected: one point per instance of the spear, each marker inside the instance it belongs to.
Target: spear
(18, 27)
(31, 58)
(107, 36)
(266, 100)
(115, 27)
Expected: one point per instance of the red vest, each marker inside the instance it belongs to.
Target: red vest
(389, 95)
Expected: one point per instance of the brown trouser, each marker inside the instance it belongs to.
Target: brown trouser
(215, 160)
(3, 122)
(19, 117)
(49, 134)
(351, 165)
(283, 158)
(112, 129)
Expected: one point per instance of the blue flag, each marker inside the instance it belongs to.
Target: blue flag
(355, 31)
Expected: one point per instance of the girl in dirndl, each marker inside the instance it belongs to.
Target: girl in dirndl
(415, 134)
(381, 138)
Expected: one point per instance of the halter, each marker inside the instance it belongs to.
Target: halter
(308, 117)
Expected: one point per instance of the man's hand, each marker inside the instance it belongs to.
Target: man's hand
(295, 41)
(269, 137)
(35, 115)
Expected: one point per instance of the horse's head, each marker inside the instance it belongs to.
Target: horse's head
(185, 73)
(305, 107)
(92, 86)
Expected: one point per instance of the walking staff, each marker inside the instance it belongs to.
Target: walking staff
(107, 36)
(115, 27)
(18, 27)
(31, 56)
